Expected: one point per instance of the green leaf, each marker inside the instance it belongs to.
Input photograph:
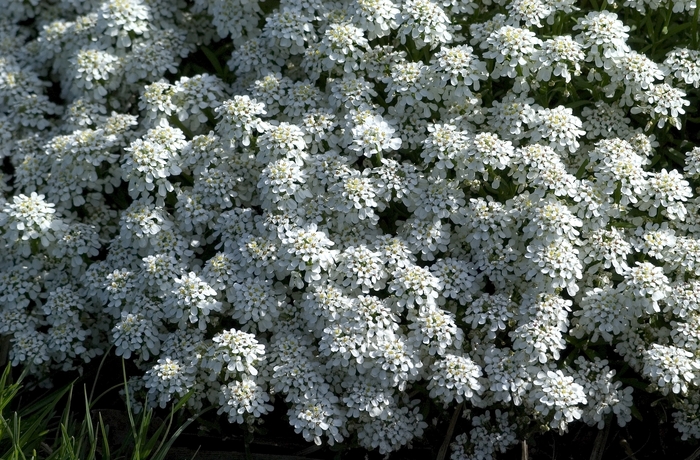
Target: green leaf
(582, 169)
(575, 104)
(676, 156)
(636, 414)
(87, 424)
(105, 442)
(213, 59)
(679, 28)
(161, 453)
(635, 383)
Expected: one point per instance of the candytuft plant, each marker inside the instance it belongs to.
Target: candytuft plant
(370, 210)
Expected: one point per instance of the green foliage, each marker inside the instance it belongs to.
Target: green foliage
(34, 431)
(22, 431)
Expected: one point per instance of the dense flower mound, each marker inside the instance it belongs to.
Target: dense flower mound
(373, 204)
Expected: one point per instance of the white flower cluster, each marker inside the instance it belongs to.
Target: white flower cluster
(375, 200)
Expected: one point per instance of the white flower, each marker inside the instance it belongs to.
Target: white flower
(443, 144)
(234, 224)
(167, 378)
(510, 116)
(191, 212)
(605, 248)
(281, 186)
(237, 18)
(65, 341)
(434, 330)
(355, 198)
(396, 251)
(686, 419)
(29, 218)
(671, 368)
(156, 100)
(16, 318)
(373, 137)
(239, 118)
(486, 437)
(490, 314)
(116, 18)
(150, 59)
(342, 347)
(234, 352)
(29, 347)
(255, 302)
(685, 334)
(344, 46)
(307, 249)
(242, 397)
(142, 220)
(412, 84)
(217, 187)
(455, 378)
(194, 95)
(605, 120)
(683, 299)
(317, 416)
(635, 71)
(393, 361)
(351, 92)
(557, 264)
(649, 284)
(426, 237)
(389, 433)
(95, 72)
(255, 57)
(509, 378)
(616, 164)
(604, 395)
(485, 220)
(360, 267)
(191, 298)
(302, 97)
(426, 23)
(537, 340)
(63, 305)
(683, 64)
(663, 103)
(692, 162)
(256, 254)
(440, 199)
(513, 50)
(283, 141)
(549, 220)
(320, 128)
(135, 333)
(667, 189)
(289, 29)
(557, 393)
(374, 199)
(559, 126)
(458, 279)
(414, 285)
(150, 161)
(529, 12)
(367, 395)
(377, 17)
(271, 90)
(324, 303)
(603, 35)
(560, 56)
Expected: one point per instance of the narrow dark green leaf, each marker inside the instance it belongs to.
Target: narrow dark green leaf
(213, 59)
